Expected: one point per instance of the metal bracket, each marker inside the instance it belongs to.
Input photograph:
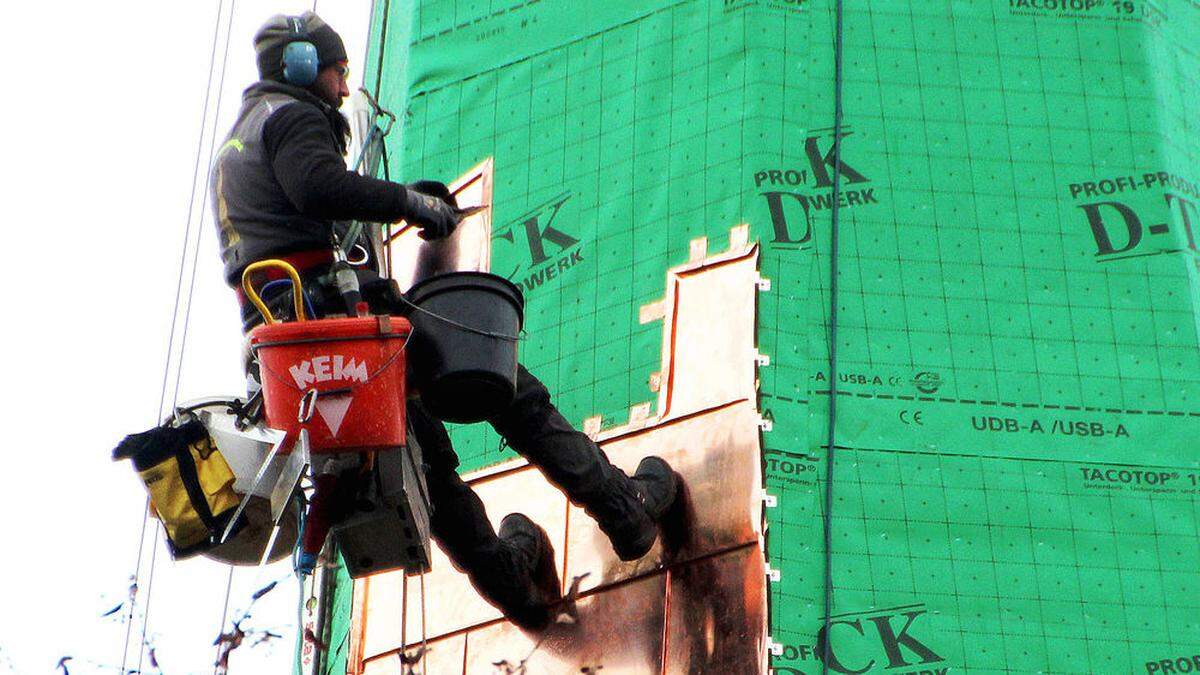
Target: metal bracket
(307, 405)
(774, 647)
(289, 478)
(285, 487)
(765, 424)
(773, 574)
(762, 360)
(763, 284)
(769, 500)
(263, 470)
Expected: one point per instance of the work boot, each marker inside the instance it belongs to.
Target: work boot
(527, 584)
(654, 487)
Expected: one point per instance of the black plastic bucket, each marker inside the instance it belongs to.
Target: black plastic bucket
(464, 344)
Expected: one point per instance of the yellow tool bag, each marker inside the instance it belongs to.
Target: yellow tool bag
(190, 483)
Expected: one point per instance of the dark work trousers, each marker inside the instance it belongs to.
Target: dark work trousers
(534, 428)
(566, 457)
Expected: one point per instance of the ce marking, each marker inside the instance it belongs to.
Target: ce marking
(911, 417)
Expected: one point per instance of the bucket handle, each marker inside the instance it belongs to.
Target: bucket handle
(297, 288)
(462, 326)
(371, 376)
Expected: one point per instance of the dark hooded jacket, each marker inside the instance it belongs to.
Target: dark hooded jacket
(280, 183)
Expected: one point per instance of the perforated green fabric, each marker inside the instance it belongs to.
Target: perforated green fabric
(1017, 485)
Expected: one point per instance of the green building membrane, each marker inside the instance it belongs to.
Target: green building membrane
(1017, 481)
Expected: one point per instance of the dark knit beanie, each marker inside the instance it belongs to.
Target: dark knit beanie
(277, 33)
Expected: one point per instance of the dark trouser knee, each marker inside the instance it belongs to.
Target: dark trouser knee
(460, 523)
(566, 456)
(459, 520)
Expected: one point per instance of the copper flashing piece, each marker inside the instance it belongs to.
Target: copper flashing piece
(717, 453)
(717, 619)
(708, 330)
(379, 612)
(618, 631)
(453, 604)
(433, 657)
(697, 601)
(468, 249)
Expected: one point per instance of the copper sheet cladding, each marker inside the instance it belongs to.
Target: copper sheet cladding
(707, 427)
(440, 656)
(619, 631)
(717, 619)
(468, 249)
(453, 603)
(717, 454)
(704, 591)
(377, 608)
(708, 332)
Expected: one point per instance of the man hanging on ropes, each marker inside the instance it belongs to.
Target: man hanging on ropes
(279, 185)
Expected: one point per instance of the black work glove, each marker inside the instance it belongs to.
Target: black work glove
(435, 189)
(434, 214)
(384, 296)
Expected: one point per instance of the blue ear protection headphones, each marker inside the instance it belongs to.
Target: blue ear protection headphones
(300, 60)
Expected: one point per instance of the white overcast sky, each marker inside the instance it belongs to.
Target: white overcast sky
(102, 115)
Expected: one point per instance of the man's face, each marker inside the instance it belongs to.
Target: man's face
(331, 84)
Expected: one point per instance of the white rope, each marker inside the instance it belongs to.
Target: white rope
(424, 642)
(212, 61)
(149, 591)
(224, 618)
(212, 149)
(192, 223)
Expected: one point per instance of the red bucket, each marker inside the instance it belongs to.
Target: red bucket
(348, 374)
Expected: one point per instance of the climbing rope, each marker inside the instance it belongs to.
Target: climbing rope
(149, 593)
(383, 35)
(224, 617)
(408, 661)
(212, 149)
(827, 520)
(424, 639)
(187, 314)
(179, 298)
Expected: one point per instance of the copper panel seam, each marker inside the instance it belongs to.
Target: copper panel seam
(666, 626)
(719, 619)
(618, 632)
(590, 593)
(566, 550)
(620, 434)
(503, 469)
(642, 576)
(669, 357)
(719, 263)
(582, 596)
(358, 617)
(444, 655)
